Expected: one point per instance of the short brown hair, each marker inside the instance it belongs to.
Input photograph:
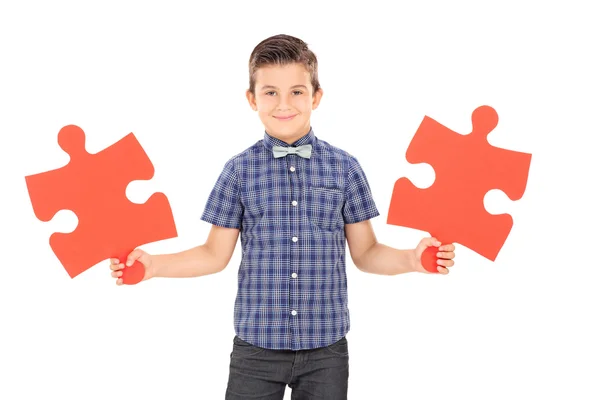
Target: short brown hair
(282, 50)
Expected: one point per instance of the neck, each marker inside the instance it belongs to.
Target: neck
(290, 140)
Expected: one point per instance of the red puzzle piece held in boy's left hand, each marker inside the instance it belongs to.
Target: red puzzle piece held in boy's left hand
(466, 168)
(93, 187)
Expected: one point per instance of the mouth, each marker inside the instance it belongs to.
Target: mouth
(285, 117)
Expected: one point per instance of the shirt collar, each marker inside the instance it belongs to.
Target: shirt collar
(270, 141)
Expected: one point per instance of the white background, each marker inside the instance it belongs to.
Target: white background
(521, 327)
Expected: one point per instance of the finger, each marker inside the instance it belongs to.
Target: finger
(119, 282)
(133, 256)
(434, 242)
(442, 270)
(430, 241)
(445, 254)
(116, 274)
(447, 247)
(117, 267)
(445, 263)
(114, 262)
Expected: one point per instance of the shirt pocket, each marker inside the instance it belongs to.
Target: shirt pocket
(324, 208)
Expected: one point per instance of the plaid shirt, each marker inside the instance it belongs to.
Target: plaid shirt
(291, 211)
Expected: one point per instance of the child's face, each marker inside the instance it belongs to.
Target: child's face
(284, 100)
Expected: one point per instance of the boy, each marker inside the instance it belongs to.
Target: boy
(295, 199)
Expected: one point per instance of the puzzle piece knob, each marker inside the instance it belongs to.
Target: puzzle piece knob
(485, 120)
(71, 139)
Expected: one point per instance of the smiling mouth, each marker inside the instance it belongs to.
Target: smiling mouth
(286, 118)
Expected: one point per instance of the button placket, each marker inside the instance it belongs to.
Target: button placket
(295, 251)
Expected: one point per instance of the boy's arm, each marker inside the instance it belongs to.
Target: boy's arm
(208, 258)
(376, 258)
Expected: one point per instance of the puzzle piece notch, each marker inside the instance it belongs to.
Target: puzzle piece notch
(466, 168)
(93, 187)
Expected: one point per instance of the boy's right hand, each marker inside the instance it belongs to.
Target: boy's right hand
(137, 255)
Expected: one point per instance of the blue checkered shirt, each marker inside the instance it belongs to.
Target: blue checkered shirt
(291, 211)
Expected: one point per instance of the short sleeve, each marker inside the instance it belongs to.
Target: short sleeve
(224, 207)
(359, 204)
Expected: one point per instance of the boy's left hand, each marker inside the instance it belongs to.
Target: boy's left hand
(445, 255)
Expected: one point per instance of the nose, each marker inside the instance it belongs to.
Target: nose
(283, 103)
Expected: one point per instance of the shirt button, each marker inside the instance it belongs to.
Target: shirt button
(294, 275)
(294, 203)
(292, 169)
(294, 239)
(294, 312)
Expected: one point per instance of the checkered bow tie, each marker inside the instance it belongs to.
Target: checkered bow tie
(302, 151)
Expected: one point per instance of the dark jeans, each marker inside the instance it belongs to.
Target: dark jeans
(257, 373)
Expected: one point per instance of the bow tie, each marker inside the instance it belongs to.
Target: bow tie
(302, 151)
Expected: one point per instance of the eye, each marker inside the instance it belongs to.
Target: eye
(270, 93)
(297, 92)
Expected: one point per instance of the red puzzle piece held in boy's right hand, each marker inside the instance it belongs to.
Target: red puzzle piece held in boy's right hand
(466, 168)
(93, 187)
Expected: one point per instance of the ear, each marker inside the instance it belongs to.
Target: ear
(317, 98)
(251, 99)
